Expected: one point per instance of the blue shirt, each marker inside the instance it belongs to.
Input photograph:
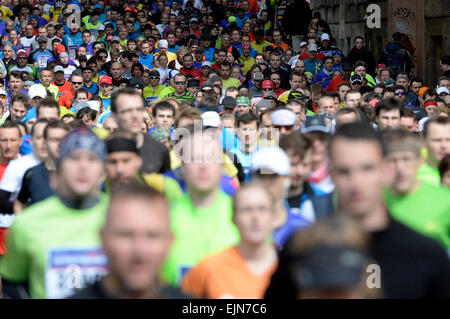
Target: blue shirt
(42, 57)
(209, 54)
(71, 42)
(146, 60)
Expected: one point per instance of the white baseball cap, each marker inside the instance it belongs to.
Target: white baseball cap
(325, 36)
(3, 92)
(211, 118)
(283, 117)
(163, 44)
(37, 90)
(271, 158)
(442, 89)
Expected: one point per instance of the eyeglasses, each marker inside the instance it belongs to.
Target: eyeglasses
(399, 93)
(267, 89)
(180, 83)
(22, 57)
(77, 83)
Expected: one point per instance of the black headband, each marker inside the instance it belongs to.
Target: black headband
(121, 144)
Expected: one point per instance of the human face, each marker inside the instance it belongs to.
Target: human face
(136, 239)
(403, 82)
(164, 119)
(359, 44)
(187, 61)
(122, 167)
(228, 124)
(225, 71)
(77, 82)
(18, 111)
(320, 147)
(445, 83)
(59, 77)
(276, 79)
(384, 76)
(357, 172)
(130, 113)
(203, 170)
(29, 31)
(327, 105)
(87, 75)
(248, 133)
(106, 89)
(221, 57)
(300, 168)
(38, 141)
(404, 166)
(9, 143)
(297, 109)
(275, 61)
(328, 65)
(82, 97)
(353, 99)
(21, 61)
(7, 51)
(242, 109)
(254, 215)
(389, 119)
(180, 84)
(226, 40)
(408, 123)
(86, 38)
(361, 71)
(80, 174)
(116, 70)
(438, 141)
(54, 137)
(110, 124)
(277, 37)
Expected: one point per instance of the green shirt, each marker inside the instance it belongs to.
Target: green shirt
(47, 244)
(427, 211)
(248, 63)
(231, 82)
(428, 174)
(186, 97)
(259, 46)
(198, 232)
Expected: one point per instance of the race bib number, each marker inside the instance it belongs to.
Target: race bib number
(70, 270)
(6, 220)
(42, 61)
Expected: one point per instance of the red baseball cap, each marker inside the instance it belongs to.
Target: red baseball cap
(60, 48)
(381, 66)
(105, 80)
(21, 53)
(267, 84)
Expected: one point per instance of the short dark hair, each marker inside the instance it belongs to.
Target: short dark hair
(20, 97)
(55, 124)
(445, 59)
(163, 105)
(440, 120)
(123, 91)
(247, 118)
(86, 111)
(11, 124)
(47, 102)
(389, 104)
(358, 131)
(444, 165)
(16, 74)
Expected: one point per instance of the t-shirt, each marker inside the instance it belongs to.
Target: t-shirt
(226, 274)
(231, 82)
(12, 178)
(428, 174)
(427, 211)
(198, 232)
(35, 185)
(55, 248)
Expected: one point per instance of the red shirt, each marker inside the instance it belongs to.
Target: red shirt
(333, 85)
(196, 73)
(279, 92)
(305, 56)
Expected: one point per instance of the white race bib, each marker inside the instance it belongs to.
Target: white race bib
(71, 269)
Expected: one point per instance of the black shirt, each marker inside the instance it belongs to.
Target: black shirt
(98, 291)
(35, 185)
(412, 266)
(155, 156)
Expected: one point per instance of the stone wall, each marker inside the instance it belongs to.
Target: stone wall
(346, 19)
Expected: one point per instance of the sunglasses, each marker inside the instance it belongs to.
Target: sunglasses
(154, 78)
(357, 83)
(399, 93)
(77, 83)
(180, 83)
(22, 57)
(267, 89)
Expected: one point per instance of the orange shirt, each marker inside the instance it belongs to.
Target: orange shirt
(226, 275)
(283, 45)
(66, 87)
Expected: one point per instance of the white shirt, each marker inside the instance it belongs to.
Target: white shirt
(12, 178)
